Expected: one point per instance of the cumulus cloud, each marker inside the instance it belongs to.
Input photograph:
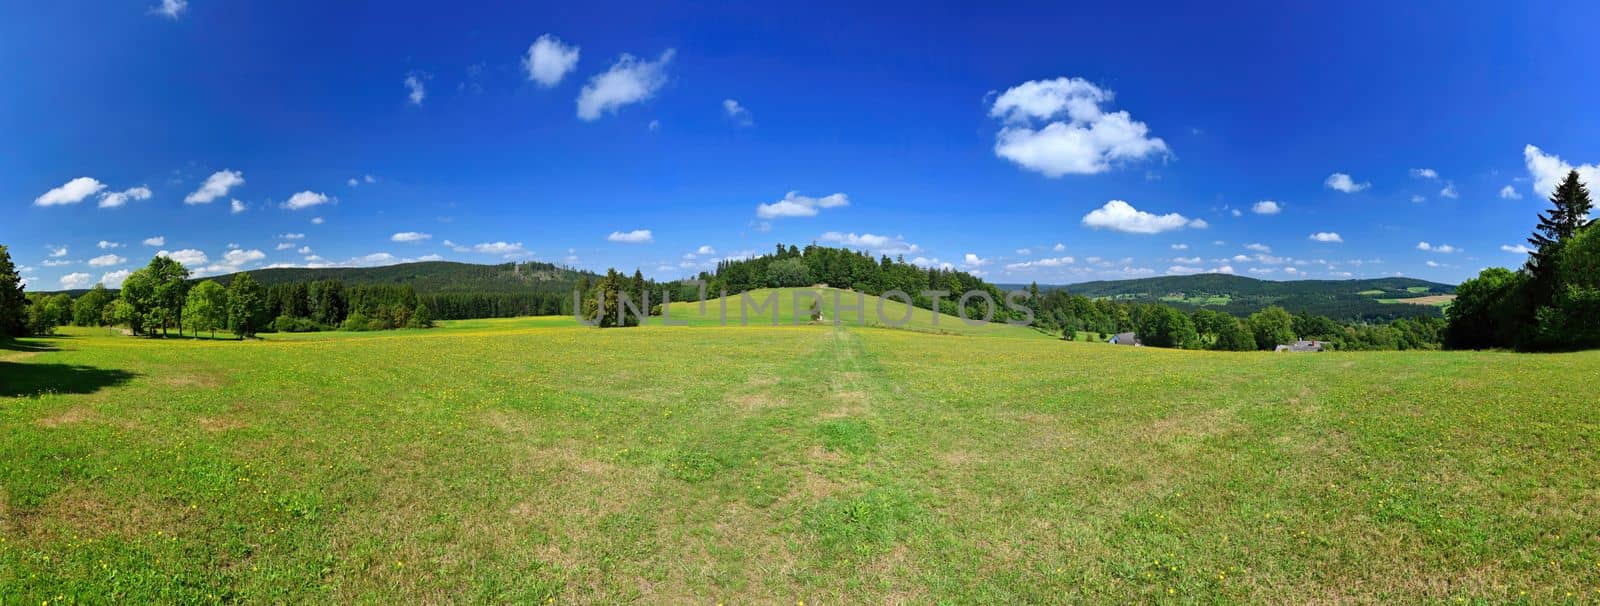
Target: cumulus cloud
(795, 205)
(215, 186)
(706, 250)
(170, 9)
(1424, 173)
(1449, 191)
(72, 192)
(107, 261)
(1118, 215)
(306, 199)
(1059, 247)
(549, 60)
(155, 241)
(118, 198)
(1326, 236)
(1343, 182)
(189, 257)
(887, 245)
(1078, 136)
(506, 249)
(285, 245)
(1520, 249)
(629, 80)
(316, 220)
(973, 260)
(105, 244)
(1547, 171)
(637, 236)
(416, 90)
(737, 113)
(1041, 263)
(113, 279)
(291, 236)
(57, 252)
(1266, 207)
(410, 237)
(75, 280)
(1258, 247)
(237, 206)
(1438, 248)
(1187, 260)
(1509, 193)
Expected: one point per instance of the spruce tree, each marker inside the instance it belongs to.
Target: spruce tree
(13, 304)
(1569, 211)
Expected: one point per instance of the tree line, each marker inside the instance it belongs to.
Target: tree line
(160, 298)
(1552, 303)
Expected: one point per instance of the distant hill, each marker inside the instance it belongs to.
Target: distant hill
(428, 277)
(1365, 299)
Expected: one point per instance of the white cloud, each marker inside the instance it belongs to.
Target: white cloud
(1520, 249)
(105, 244)
(306, 199)
(972, 260)
(887, 245)
(932, 263)
(1258, 247)
(1424, 173)
(1223, 269)
(1047, 262)
(57, 252)
(1087, 142)
(1326, 236)
(706, 250)
(1509, 193)
(55, 263)
(549, 60)
(1059, 247)
(1266, 207)
(795, 205)
(409, 236)
(75, 280)
(1343, 182)
(1440, 248)
(416, 91)
(285, 245)
(352, 182)
(1187, 260)
(637, 236)
(118, 198)
(237, 207)
(72, 192)
(304, 250)
(215, 186)
(113, 279)
(155, 241)
(1023, 252)
(1117, 215)
(291, 236)
(1418, 199)
(1432, 263)
(506, 249)
(1180, 247)
(316, 220)
(189, 257)
(107, 261)
(1547, 171)
(170, 9)
(1449, 191)
(738, 113)
(369, 178)
(1184, 270)
(628, 81)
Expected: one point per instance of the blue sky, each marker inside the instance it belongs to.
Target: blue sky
(1048, 143)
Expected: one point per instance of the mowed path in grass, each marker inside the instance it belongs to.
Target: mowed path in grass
(532, 460)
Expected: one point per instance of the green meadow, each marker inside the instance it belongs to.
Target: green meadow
(534, 460)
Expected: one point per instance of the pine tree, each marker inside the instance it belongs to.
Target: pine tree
(1569, 212)
(13, 304)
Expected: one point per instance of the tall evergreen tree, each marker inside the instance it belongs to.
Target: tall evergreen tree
(13, 304)
(1569, 210)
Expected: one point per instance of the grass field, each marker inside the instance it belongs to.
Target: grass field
(1434, 300)
(1198, 299)
(533, 461)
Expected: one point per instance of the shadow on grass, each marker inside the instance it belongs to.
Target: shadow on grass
(28, 345)
(20, 379)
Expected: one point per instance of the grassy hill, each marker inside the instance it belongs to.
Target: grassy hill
(1364, 299)
(894, 313)
(533, 461)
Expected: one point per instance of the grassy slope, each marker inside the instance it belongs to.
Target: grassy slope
(920, 320)
(522, 460)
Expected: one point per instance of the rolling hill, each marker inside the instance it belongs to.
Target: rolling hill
(1363, 299)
